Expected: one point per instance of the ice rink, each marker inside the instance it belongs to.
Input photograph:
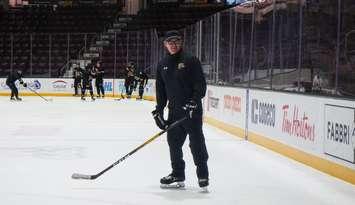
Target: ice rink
(43, 143)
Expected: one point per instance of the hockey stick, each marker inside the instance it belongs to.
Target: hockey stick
(91, 177)
(39, 94)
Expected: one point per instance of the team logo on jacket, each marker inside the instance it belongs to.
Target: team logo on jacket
(181, 66)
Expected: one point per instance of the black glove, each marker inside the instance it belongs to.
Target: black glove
(25, 85)
(159, 119)
(190, 107)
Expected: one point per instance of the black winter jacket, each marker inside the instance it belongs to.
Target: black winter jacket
(13, 77)
(179, 78)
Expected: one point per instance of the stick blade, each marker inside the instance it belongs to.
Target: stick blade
(81, 176)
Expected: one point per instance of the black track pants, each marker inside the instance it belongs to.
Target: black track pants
(176, 139)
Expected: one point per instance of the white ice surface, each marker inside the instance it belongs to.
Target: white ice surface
(43, 143)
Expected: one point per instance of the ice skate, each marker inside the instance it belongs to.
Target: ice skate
(203, 183)
(82, 98)
(172, 182)
(12, 99)
(18, 99)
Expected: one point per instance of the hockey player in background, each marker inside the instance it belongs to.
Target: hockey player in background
(99, 82)
(10, 82)
(181, 82)
(142, 80)
(77, 80)
(129, 80)
(87, 75)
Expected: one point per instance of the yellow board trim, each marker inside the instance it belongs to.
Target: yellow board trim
(236, 131)
(339, 171)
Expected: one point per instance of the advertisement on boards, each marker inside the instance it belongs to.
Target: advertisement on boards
(225, 104)
(3, 86)
(35, 84)
(263, 112)
(286, 119)
(60, 85)
(108, 86)
(212, 101)
(232, 103)
(339, 131)
(298, 123)
(119, 88)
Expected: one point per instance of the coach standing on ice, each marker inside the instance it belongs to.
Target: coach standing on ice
(180, 80)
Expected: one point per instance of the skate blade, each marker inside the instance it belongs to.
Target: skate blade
(204, 190)
(175, 185)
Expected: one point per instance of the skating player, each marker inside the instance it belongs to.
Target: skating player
(77, 80)
(129, 80)
(10, 82)
(142, 80)
(99, 81)
(87, 75)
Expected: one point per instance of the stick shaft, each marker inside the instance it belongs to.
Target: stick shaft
(37, 93)
(133, 151)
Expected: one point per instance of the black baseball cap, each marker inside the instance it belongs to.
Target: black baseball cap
(172, 35)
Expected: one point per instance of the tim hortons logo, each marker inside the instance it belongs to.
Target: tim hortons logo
(296, 124)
